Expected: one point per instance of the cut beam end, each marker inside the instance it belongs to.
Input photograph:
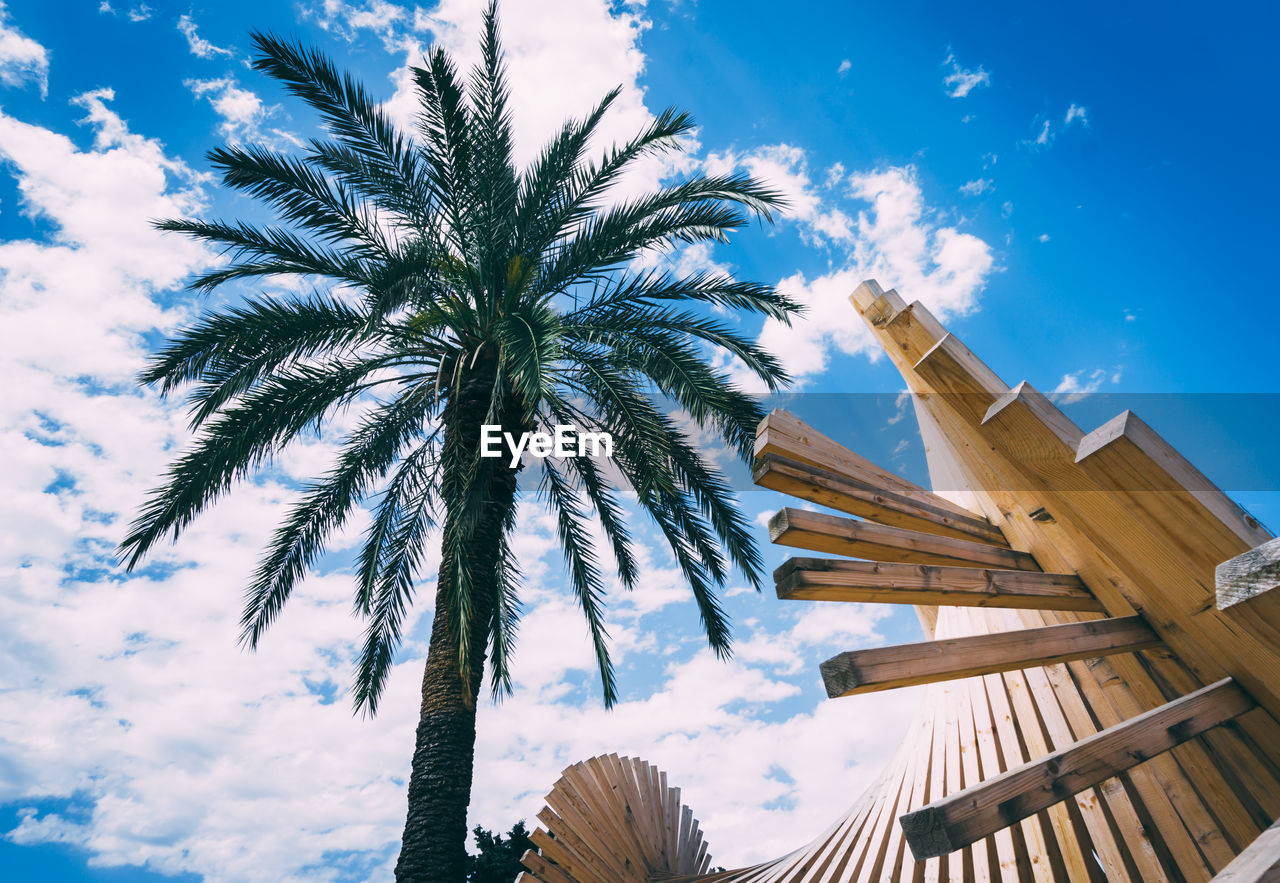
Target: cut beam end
(925, 834)
(1249, 575)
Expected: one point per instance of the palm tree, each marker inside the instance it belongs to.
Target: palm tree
(451, 291)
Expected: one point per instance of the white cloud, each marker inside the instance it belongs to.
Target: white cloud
(22, 60)
(242, 112)
(602, 39)
(1076, 112)
(1006, 209)
(845, 66)
(142, 12)
(897, 240)
(347, 19)
(785, 168)
(977, 187)
(1075, 386)
(1043, 237)
(199, 46)
(961, 81)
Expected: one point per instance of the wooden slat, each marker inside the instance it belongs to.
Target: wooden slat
(1258, 863)
(819, 532)
(836, 579)
(920, 510)
(886, 668)
(1248, 575)
(977, 812)
(783, 434)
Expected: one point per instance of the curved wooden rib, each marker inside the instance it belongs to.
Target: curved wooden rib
(1116, 516)
(615, 818)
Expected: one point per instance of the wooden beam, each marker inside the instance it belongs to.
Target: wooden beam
(977, 812)
(858, 496)
(904, 665)
(871, 582)
(783, 434)
(1134, 457)
(819, 532)
(1249, 575)
(1258, 863)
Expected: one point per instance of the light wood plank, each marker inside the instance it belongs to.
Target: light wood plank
(784, 434)
(977, 812)
(886, 668)
(1259, 862)
(862, 496)
(835, 579)
(819, 532)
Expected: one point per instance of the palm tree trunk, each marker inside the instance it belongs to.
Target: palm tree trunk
(433, 848)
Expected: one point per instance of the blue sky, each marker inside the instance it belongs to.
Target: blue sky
(1085, 195)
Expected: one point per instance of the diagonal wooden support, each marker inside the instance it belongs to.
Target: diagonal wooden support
(819, 532)
(859, 496)
(1258, 863)
(969, 815)
(1249, 575)
(904, 665)
(871, 582)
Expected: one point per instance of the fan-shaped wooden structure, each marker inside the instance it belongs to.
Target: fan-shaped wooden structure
(1093, 710)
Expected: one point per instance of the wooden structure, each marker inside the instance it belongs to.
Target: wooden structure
(1095, 707)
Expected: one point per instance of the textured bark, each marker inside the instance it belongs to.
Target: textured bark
(433, 849)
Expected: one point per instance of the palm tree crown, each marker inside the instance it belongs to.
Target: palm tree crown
(453, 289)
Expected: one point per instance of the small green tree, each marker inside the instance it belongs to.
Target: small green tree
(497, 859)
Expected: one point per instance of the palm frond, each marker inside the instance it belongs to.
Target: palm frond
(584, 572)
(352, 116)
(371, 450)
(405, 519)
(267, 251)
(238, 441)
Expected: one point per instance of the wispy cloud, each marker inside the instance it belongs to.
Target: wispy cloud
(977, 187)
(1046, 132)
(200, 47)
(1075, 386)
(845, 66)
(244, 115)
(22, 60)
(961, 81)
(888, 233)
